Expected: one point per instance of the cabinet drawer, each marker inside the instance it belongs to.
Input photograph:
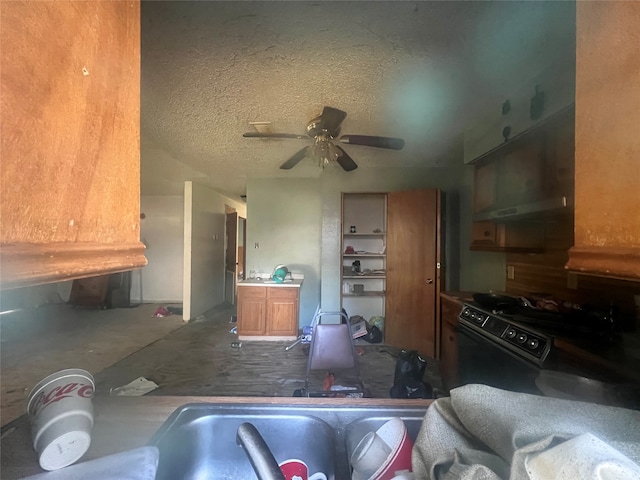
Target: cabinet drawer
(283, 292)
(252, 292)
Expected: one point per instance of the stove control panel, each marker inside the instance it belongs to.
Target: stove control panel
(522, 341)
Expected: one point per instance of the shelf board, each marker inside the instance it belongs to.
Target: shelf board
(355, 277)
(380, 234)
(365, 294)
(368, 254)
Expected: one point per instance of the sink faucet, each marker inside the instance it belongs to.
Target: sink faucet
(264, 464)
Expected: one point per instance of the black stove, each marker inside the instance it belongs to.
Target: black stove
(519, 337)
(528, 332)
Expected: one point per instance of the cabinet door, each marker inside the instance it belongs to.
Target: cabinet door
(522, 173)
(413, 283)
(282, 311)
(252, 318)
(485, 180)
(70, 143)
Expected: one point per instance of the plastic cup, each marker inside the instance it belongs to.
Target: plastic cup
(370, 454)
(60, 411)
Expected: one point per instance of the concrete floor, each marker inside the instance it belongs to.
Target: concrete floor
(119, 345)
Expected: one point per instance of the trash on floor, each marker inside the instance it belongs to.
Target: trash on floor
(175, 310)
(140, 386)
(236, 344)
(162, 312)
(234, 330)
(234, 319)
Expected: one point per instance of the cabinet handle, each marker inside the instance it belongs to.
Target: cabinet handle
(429, 281)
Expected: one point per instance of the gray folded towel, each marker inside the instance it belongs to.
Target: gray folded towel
(481, 432)
(137, 464)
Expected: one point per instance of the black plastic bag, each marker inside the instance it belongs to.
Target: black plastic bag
(374, 335)
(407, 379)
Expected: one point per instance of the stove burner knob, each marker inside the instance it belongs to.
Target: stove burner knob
(533, 343)
(521, 338)
(511, 333)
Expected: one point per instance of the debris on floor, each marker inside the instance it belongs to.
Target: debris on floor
(175, 310)
(234, 319)
(140, 386)
(234, 330)
(162, 312)
(236, 344)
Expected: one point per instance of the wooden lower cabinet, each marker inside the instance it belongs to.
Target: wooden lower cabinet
(449, 343)
(268, 311)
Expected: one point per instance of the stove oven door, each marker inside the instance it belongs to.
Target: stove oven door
(480, 360)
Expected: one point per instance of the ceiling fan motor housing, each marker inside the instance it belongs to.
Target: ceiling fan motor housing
(323, 130)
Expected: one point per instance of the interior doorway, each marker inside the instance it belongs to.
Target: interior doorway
(235, 263)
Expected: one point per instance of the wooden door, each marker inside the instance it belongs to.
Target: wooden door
(413, 274)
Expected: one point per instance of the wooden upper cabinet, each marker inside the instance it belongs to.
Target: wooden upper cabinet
(70, 145)
(531, 176)
(607, 144)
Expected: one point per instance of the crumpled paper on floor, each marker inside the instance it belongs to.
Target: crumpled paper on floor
(140, 386)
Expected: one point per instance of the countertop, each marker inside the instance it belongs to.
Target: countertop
(458, 297)
(268, 282)
(124, 423)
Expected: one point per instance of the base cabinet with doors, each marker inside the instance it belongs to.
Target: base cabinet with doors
(397, 244)
(268, 312)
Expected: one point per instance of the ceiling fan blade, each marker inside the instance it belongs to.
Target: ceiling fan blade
(372, 141)
(331, 120)
(273, 135)
(345, 161)
(293, 161)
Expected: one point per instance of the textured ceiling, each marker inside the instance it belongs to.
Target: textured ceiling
(422, 71)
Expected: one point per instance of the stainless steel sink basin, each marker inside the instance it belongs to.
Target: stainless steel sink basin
(199, 440)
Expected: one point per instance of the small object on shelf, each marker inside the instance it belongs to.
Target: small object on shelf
(355, 266)
(352, 229)
(358, 288)
(349, 250)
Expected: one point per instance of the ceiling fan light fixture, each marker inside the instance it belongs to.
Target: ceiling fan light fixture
(325, 152)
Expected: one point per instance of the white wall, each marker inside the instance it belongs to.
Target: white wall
(204, 238)
(162, 233)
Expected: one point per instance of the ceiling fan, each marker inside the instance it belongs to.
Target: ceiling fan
(324, 131)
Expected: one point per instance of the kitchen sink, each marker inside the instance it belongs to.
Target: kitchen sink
(199, 440)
